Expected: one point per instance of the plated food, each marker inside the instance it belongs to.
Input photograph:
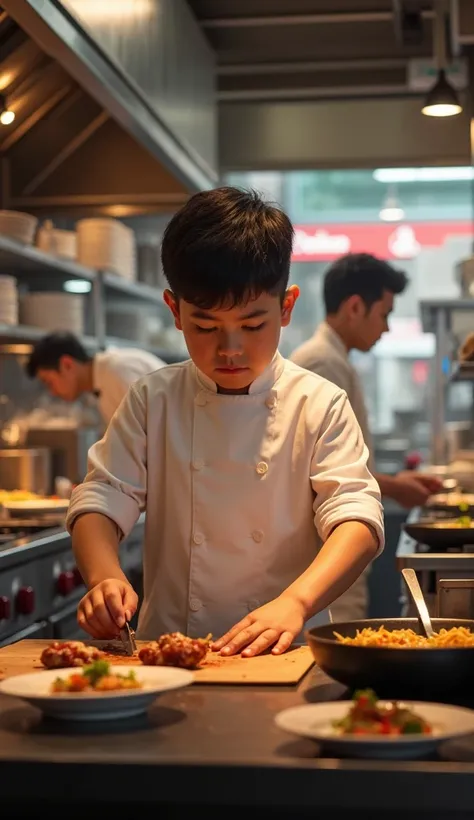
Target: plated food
(458, 636)
(64, 654)
(383, 729)
(98, 677)
(175, 649)
(369, 716)
(17, 495)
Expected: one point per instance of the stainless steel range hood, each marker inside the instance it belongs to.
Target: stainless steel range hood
(99, 128)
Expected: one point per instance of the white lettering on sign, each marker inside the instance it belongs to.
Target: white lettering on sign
(320, 243)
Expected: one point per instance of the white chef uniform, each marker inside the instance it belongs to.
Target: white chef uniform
(114, 370)
(236, 488)
(326, 354)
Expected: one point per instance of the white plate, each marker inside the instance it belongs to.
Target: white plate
(315, 720)
(41, 505)
(36, 689)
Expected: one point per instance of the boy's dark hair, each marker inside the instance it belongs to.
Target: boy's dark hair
(226, 246)
(47, 353)
(363, 275)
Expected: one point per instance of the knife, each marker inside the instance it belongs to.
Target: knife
(128, 639)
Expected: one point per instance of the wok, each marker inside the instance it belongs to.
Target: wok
(439, 535)
(427, 674)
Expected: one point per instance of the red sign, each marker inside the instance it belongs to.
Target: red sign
(403, 240)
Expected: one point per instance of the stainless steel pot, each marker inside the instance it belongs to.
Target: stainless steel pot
(28, 469)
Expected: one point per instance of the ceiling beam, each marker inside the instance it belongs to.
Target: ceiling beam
(314, 93)
(299, 67)
(302, 19)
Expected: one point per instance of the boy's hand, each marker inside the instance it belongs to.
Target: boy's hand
(275, 624)
(106, 608)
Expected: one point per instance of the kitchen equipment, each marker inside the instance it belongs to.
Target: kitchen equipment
(458, 436)
(26, 469)
(18, 226)
(57, 242)
(315, 720)
(455, 598)
(411, 581)
(286, 669)
(128, 639)
(68, 446)
(451, 502)
(37, 507)
(107, 244)
(53, 311)
(395, 673)
(36, 689)
(443, 535)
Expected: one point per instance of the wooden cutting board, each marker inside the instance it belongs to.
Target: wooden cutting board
(24, 656)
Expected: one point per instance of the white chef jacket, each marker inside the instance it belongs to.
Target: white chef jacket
(114, 370)
(238, 489)
(326, 354)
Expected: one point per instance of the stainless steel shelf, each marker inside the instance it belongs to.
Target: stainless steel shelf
(137, 290)
(16, 259)
(21, 334)
(430, 307)
(168, 356)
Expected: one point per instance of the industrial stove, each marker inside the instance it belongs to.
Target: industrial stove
(40, 585)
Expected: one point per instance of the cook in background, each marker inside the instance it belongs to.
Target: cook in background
(359, 292)
(61, 362)
(242, 460)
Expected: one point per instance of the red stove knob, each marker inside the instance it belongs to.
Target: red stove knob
(65, 582)
(25, 600)
(78, 579)
(5, 608)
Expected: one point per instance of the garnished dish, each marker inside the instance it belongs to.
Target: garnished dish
(175, 649)
(62, 655)
(369, 716)
(457, 636)
(17, 495)
(98, 677)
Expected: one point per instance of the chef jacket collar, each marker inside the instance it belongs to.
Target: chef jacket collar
(262, 383)
(333, 338)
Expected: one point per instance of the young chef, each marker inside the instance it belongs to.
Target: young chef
(62, 363)
(359, 292)
(240, 458)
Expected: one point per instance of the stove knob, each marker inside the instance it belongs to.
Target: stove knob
(65, 582)
(78, 579)
(5, 608)
(25, 600)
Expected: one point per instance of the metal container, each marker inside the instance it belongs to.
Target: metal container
(27, 469)
(68, 448)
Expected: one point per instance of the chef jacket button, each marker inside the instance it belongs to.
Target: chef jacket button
(262, 467)
(270, 401)
(198, 538)
(257, 536)
(195, 604)
(201, 400)
(198, 463)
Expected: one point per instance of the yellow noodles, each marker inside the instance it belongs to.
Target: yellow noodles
(407, 638)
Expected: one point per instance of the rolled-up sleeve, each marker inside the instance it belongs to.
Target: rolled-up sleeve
(116, 482)
(345, 489)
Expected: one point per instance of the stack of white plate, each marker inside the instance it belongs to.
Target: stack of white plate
(53, 311)
(8, 301)
(108, 245)
(19, 226)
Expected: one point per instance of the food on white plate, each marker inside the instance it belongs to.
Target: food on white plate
(368, 716)
(61, 655)
(457, 636)
(6, 496)
(175, 649)
(97, 677)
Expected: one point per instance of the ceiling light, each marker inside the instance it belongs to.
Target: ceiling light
(434, 174)
(77, 286)
(6, 115)
(442, 100)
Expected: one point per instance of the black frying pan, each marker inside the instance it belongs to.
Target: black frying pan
(426, 674)
(440, 536)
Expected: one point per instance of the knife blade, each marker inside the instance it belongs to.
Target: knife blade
(128, 639)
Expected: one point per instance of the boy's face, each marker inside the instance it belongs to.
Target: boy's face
(233, 346)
